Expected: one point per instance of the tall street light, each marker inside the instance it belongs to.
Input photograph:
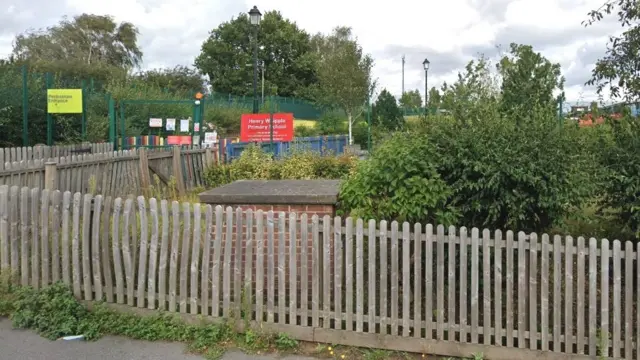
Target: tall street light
(255, 16)
(425, 64)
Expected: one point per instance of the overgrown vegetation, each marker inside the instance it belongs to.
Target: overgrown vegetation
(502, 159)
(53, 312)
(299, 164)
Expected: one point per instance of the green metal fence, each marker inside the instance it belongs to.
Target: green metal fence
(301, 109)
(26, 122)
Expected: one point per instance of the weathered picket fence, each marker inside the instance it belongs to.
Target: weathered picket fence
(374, 284)
(44, 152)
(114, 173)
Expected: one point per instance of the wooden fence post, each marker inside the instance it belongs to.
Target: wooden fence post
(208, 157)
(50, 175)
(145, 178)
(177, 171)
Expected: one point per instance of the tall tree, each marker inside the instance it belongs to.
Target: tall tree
(386, 112)
(474, 95)
(344, 73)
(411, 100)
(435, 99)
(528, 80)
(180, 79)
(227, 56)
(617, 71)
(87, 39)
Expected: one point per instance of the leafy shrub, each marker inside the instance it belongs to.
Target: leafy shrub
(494, 174)
(255, 164)
(399, 182)
(52, 312)
(306, 131)
(622, 180)
(332, 123)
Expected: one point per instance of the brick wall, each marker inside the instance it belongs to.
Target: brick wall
(310, 210)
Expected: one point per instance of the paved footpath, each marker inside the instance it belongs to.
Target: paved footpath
(27, 345)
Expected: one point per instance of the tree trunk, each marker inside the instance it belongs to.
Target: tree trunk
(350, 120)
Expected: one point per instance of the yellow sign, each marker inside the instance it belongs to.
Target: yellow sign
(64, 101)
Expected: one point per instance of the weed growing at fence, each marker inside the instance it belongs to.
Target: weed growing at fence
(54, 312)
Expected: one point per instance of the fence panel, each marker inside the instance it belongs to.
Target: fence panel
(124, 252)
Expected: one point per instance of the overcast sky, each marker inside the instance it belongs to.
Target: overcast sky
(449, 33)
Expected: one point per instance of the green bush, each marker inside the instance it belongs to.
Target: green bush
(622, 180)
(399, 183)
(494, 174)
(255, 164)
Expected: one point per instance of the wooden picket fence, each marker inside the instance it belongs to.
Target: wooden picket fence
(44, 152)
(114, 173)
(375, 284)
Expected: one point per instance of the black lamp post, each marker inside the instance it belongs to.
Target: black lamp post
(254, 16)
(425, 64)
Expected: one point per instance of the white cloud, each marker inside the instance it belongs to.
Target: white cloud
(448, 32)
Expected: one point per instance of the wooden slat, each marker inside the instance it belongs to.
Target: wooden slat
(522, 291)
(604, 300)
(580, 301)
(35, 238)
(173, 261)
(440, 289)
(428, 282)
(533, 292)
(394, 276)
(384, 283)
(24, 236)
(95, 248)
(237, 264)
(304, 268)
(544, 293)
(371, 271)
(406, 279)
(260, 268)
(315, 261)
(497, 287)
(116, 251)
(143, 256)
(293, 268)
(557, 293)
(568, 291)
(593, 306)
(195, 260)
(486, 287)
(451, 281)
(417, 280)
(271, 269)
(184, 258)
(87, 205)
(348, 274)
(205, 277)
(153, 254)
(617, 292)
(247, 300)
(326, 271)
(4, 229)
(628, 300)
(475, 254)
(163, 261)
(14, 198)
(360, 276)
(127, 256)
(464, 245)
(226, 270)
(215, 265)
(56, 198)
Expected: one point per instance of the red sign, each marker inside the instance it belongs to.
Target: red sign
(257, 127)
(179, 140)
